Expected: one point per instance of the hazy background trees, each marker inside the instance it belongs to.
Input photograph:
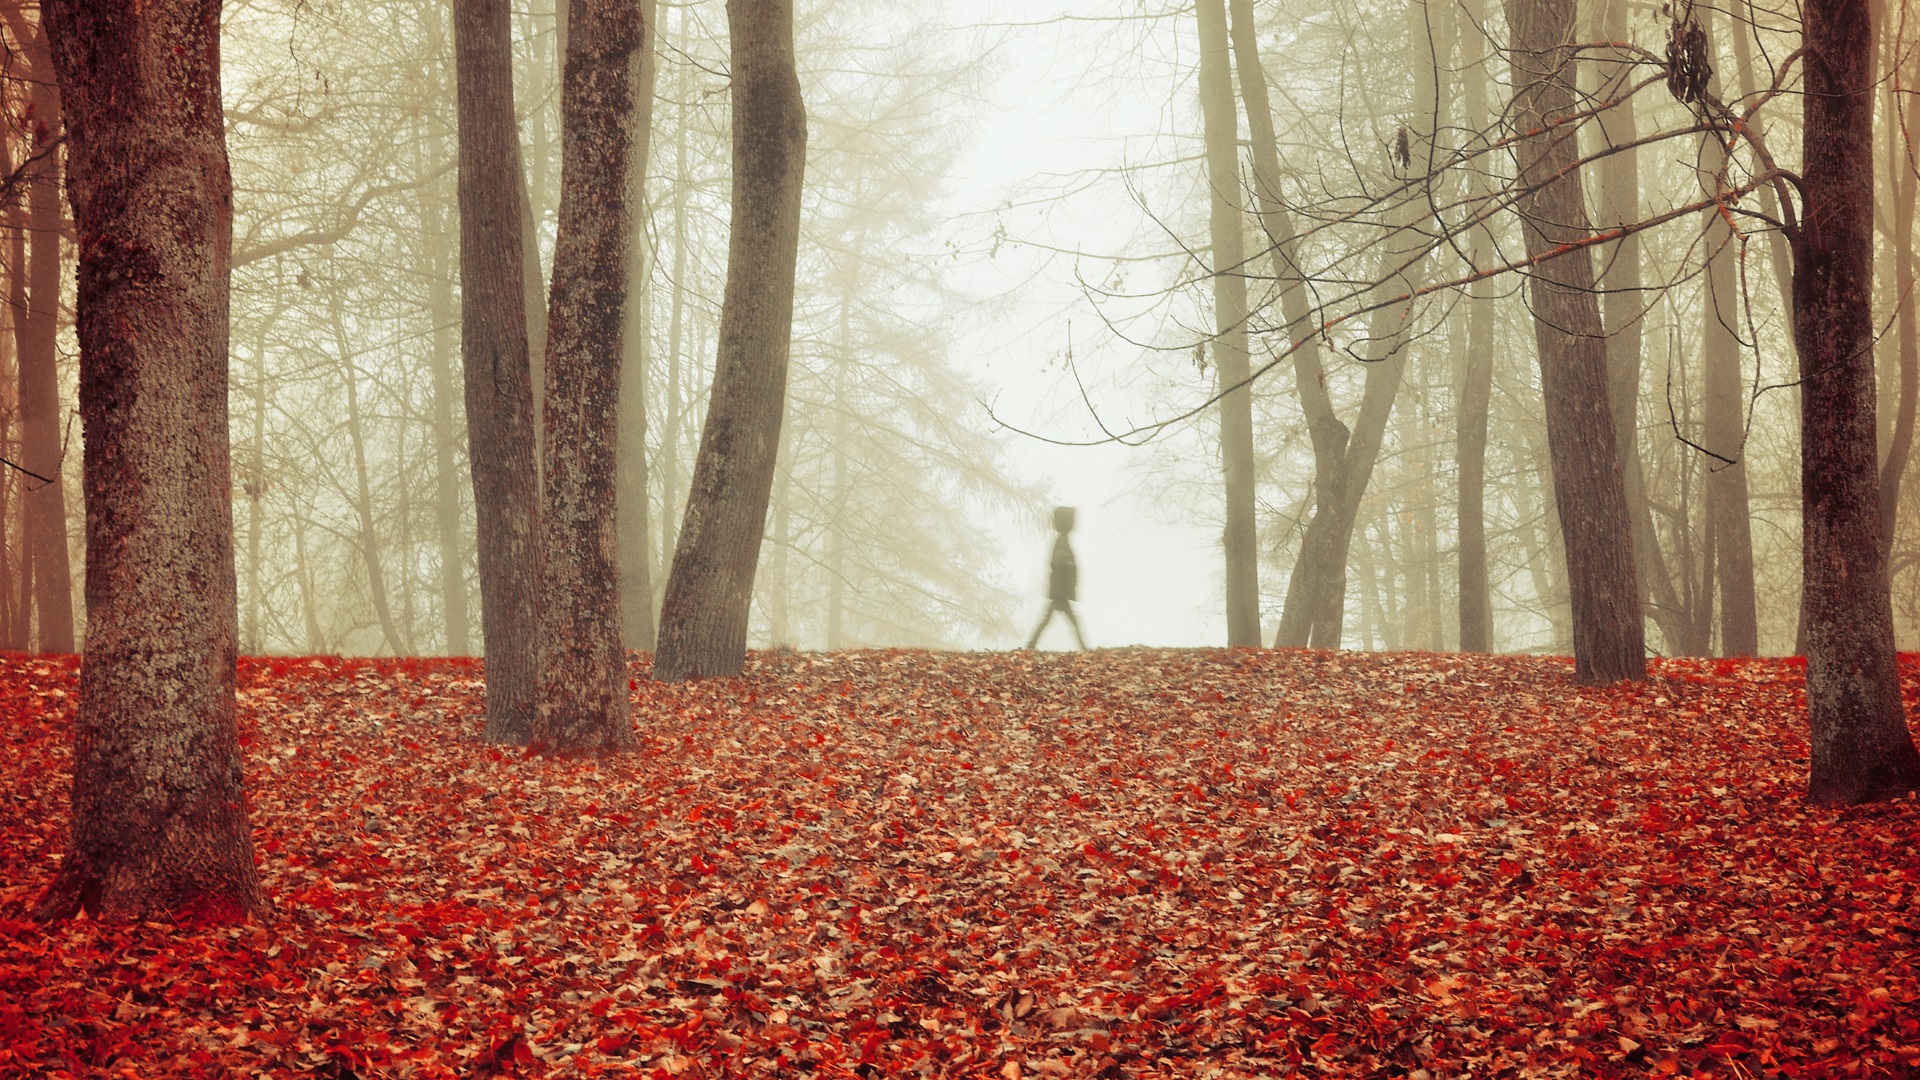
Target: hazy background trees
(897, 510)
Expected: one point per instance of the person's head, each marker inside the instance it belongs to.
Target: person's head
(1063, 519)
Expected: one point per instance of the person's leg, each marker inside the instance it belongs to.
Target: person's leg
(1074, 621)
(1045, 618)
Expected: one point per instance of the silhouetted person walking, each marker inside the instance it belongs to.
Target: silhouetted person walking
(1063, 580)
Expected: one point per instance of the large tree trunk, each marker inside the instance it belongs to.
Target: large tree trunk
(159, 814)
(493, 343)
(1862, 749)
(1608, 634)
(703, 620)
(636, 558)
(582, 702)
(1230, 365)
(41, 442)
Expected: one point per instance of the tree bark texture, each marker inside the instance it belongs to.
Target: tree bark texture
(582, 705)
(1608, 632)
(703, 620)
(635, 527)
(497, 372)
(1226, 229)
(159, 813)
(1862, 749)
(41, 444)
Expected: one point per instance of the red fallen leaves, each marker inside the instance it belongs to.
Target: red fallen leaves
(1130, 863)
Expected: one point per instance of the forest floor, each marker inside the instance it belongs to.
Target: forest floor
(1125, 863)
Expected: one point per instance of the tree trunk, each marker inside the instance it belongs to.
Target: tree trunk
(1316, 594)
(1862, 749)
(703, 621)
(1623, 311)
(583, 706)
(676, 326)
(1230, 364)
(1730, 519)
(842, 483)
(159, 823)
(369, 545)
(18, 571)
(1608, 635)
(1476, 377)
(42, 446)
(1906, 332)
(498, 378)
(632, 503)
(1327, 434)
(440, 310)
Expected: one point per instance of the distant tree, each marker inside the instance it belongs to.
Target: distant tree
(703, 622)
(582, 704)
(38, 328)
(1608, 633)
(159, 814)
(1862, 749)
(635, 526)
(493, 340)
(1226, 218)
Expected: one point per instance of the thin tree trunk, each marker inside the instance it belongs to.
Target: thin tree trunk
(363, 494)
(1623, 312)
(13, 527)
(1906, 333)
(1862, 750)
(703, 623)
(1608, 631)
(438, 256)
(309, 603)
(255, 486)
(403, 513)
(497, 373)
(676, 325)
(583, 706)
(779, 608)
(1230, 364)
(636, 558)
(1316, 595)
(842, 488)
(1725, 417)
(41, 436)
(1326, 432)
(159, 825)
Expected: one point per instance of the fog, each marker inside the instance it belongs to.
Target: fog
(1007, 293)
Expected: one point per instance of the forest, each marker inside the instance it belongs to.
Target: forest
(515, 531)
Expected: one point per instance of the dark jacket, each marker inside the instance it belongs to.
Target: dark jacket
(1064, 582)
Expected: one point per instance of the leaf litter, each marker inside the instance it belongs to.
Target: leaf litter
(1136, 862)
